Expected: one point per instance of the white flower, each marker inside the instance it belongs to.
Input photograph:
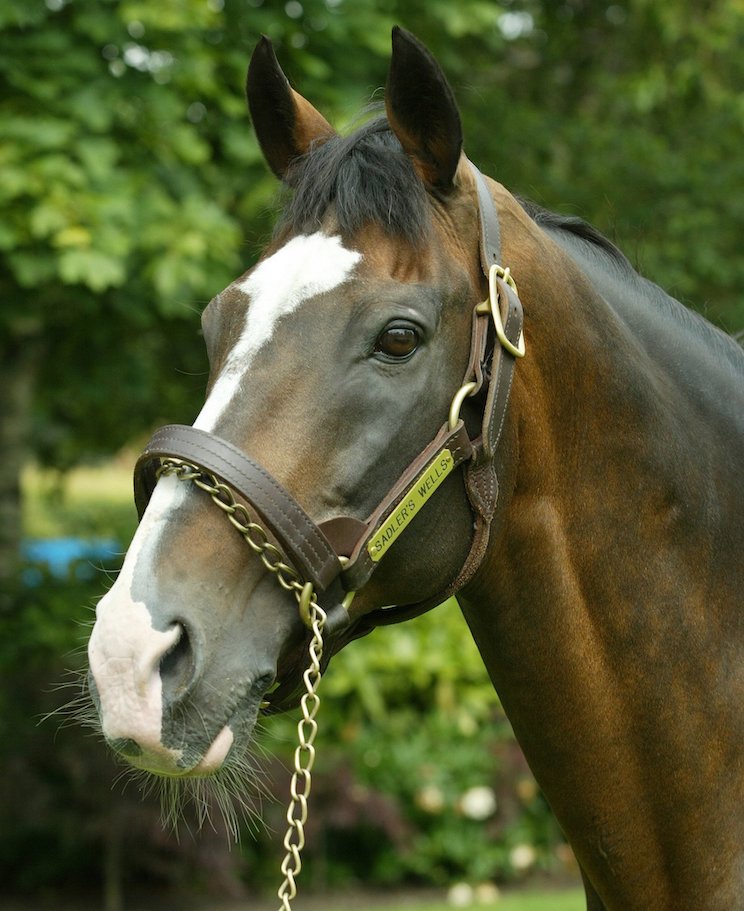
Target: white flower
(460, 895)
(522, 857)
(487, 894)
(478, 803)
(430, 799)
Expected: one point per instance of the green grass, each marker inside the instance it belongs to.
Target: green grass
(533, 901)
(572, 900)
(559, 900)
(88, 502)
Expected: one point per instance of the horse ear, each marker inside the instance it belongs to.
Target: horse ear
(422, 112)
(286, 124)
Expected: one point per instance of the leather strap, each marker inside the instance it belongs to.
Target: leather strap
(315, 559)
(361, 565)
(350, 536)
(481, 479)
(502, 369)
(490, 237)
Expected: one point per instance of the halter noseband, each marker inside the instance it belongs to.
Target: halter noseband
(339, 556)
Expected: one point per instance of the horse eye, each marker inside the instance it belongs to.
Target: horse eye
(397, 342)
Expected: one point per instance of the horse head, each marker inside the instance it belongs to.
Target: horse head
(346, 368)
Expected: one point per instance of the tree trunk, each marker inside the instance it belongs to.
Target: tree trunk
(17, 380)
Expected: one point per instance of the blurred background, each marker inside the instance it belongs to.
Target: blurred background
(131, 191)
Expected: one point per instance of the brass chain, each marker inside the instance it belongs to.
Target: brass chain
(314, 617)
(255, 536)
(304, 758)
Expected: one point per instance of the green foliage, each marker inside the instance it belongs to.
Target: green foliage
(48, 838)
(418, 777)
(630, 116)
(131, 180)
(120, 216)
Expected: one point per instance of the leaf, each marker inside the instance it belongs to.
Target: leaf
(47, 218)
(92, 268)
(8, 236)
(92, 107)
(73, 236)
(21, 14)
(31, 269)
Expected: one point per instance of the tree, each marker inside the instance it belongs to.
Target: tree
(119, 220)
(633, 113)
(131, 181)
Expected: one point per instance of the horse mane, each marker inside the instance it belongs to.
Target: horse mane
(367, 177)
(364, 177)
(577, 228)
(544, 218)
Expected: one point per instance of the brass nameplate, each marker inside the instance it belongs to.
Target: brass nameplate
(409, 506)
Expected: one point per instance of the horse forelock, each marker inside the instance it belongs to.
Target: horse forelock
(364, 178)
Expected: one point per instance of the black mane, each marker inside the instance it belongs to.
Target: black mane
(543, 218)
(365, 177)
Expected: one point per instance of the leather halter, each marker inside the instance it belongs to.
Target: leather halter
(315, 550)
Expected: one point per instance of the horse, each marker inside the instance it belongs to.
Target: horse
(428, 387)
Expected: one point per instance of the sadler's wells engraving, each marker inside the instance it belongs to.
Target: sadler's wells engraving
(419, 492)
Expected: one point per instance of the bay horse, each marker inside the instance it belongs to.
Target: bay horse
(417, 340)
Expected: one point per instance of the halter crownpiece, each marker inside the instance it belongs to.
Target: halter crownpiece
(338, 557)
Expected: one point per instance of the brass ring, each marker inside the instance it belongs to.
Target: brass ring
(305, 601)
(349, 597)
(462, 393)
(495, 272)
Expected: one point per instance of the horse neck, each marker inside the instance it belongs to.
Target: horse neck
(601, 567)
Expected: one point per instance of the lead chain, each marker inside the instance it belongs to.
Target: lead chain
(304, 758)
(314, 617)
(254, 535)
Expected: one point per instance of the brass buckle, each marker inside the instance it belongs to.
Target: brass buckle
(492, 306)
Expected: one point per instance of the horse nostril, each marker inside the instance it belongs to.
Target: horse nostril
(177, 665)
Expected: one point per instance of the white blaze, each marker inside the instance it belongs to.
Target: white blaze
(125, 650)
(306, 266)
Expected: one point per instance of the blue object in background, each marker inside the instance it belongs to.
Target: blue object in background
(63, 556)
